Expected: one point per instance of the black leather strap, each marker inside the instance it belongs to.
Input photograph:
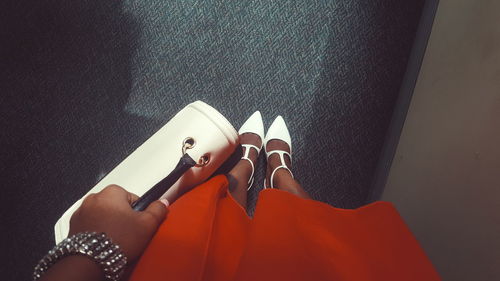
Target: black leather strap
(161, 187)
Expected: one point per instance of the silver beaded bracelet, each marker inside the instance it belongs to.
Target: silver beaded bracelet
(96, 246)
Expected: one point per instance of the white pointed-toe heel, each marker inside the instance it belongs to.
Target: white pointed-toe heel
(255, 126)
(278, 131)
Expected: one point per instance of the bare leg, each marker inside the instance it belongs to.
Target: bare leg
(282, 178)
(240, 174)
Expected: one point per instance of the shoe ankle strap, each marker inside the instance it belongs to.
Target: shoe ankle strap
(247, 151)
(253, 171)
(280, 153)
(245, 157)
(271, 184)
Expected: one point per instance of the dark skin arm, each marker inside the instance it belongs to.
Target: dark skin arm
(109, 211)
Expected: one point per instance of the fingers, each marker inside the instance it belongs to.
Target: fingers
(157, 210)
(89, 197)
(115, 191)
(117, 194)
(132, 198)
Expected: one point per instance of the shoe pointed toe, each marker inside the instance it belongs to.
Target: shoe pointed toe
(278, 130)
(253, 125)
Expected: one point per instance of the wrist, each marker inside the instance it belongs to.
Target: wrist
(75, 267)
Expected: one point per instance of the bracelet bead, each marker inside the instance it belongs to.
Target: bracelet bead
(96, 246)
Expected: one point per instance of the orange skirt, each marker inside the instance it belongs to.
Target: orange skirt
(207, 235)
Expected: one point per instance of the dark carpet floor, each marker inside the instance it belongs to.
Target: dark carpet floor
(83, 83)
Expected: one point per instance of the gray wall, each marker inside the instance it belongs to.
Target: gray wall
(445, 177)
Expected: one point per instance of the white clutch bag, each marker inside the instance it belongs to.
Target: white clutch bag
(197, 130)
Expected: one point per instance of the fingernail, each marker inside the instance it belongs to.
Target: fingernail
(165, 202)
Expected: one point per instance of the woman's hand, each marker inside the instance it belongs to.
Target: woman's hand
(110, 211)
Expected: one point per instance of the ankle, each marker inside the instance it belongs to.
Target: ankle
(281, 178)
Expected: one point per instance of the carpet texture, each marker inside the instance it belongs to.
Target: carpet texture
(83, 83)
